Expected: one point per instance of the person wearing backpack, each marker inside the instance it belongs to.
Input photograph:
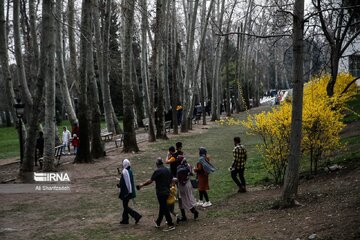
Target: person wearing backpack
(185, 188)
(238, 166)
(203, 169)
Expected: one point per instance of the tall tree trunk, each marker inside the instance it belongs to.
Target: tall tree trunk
(189, 71)
(291, 181)
(97, 147)
(47, 67)
(73, 73)
(138, 106)
(84, 155)
(49, 126)
(174, 94)
(149, 89)
(215, 101)
(130, 144)
(106, 71)
(19, 57)
(60, 64)
(4, 60)
(157, 68)
(34, 55)
(105, 89)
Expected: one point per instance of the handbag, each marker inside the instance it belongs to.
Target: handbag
(194, 183)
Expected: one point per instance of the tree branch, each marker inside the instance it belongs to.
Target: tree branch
(348, 86)
(253, 35)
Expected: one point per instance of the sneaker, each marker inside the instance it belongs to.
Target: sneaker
(207, 204)
(124, 222)
(169, 228)
(156, 225)
(199, 203)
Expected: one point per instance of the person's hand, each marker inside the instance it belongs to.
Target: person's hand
(138, 187)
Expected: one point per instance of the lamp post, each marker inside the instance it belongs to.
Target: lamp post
(19, 108)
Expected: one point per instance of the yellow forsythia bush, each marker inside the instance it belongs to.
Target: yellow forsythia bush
(321, 125)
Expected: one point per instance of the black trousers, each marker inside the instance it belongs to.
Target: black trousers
(128, 211)
(241, 181)
(163, 210)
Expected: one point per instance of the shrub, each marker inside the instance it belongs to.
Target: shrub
(321, 125)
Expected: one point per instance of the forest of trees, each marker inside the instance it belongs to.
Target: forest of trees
(100, 59)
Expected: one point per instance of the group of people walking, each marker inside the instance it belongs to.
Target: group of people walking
(175, 182)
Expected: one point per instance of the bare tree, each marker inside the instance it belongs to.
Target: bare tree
(189, 68)
(336, 19)
(103, 76)
(84, 155)
(60, 64)
(291, 180)
(148, 87)
(4, 58)
(73, 71)
(130, 144)
(157, 68)
(19, 57)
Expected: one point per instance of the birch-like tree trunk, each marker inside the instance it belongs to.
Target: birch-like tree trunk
(34, 54)
(84, 155)
(189, 71)
(105, 87)
(46, 71)
(216, 101)
(49, 125)
(97, 148)
(130, 144)
(106, 71)
(157, 69)
(60, 64)
(148, 87)
(4, 59)
(73, 72)
(291, 180)
(19, 56)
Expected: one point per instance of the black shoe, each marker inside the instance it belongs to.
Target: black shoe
(138, 219)
(124, 222)
(196, 215)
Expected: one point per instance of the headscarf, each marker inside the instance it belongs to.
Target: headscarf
(126, 175)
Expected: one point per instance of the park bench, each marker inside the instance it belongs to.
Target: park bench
(107, 136)
(58, 154)
(146, 123)
(168, 126)
(119, 140)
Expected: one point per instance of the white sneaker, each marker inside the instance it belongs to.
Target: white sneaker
(207, 204)
(199, 203)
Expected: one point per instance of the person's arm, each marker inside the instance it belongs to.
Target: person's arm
(148, 182)
(170, 158)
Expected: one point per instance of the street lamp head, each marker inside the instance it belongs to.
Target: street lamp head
(19, 108)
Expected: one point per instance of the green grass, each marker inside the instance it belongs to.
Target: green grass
(9, 142)
(354, 110)
(9, 139)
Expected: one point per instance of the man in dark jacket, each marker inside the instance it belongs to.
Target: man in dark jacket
(163, 178)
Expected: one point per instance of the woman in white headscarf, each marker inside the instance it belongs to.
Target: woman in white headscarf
(127, 192)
